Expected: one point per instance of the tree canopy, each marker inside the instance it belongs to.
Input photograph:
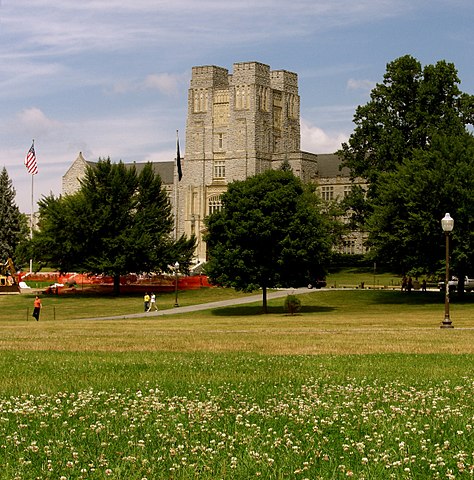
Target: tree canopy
(14, 228)
(412, 144)
(269, 233)
(120, 221)
(405, 228)
(404, 112)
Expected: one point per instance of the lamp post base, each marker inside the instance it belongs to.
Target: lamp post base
(447, 323)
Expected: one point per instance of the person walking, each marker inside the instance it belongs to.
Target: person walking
(146, 301)
(152, 302)
(37, 308)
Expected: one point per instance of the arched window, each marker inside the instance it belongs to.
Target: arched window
(214, 204)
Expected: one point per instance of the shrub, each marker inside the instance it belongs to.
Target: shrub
(292, 304)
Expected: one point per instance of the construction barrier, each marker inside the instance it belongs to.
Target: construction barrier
(72, 282)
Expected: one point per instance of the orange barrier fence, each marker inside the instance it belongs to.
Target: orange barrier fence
(128, 283)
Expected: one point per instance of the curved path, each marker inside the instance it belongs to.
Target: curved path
(207, 306)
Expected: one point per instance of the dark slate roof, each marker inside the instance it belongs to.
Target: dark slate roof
(164, 169)
(328, 166)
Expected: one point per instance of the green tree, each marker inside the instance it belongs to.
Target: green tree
(56, 241)
(405, 228)
(400, 144)
(269, 233)
(405, 111)
(14, 227)
(118, 222)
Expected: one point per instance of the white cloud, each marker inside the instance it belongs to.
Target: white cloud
(364, 85)
(71, 26)
(163, 82)
(33, 120)
(167, 84)
(316, 140)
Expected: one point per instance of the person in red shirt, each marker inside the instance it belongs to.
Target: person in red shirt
(37, 308)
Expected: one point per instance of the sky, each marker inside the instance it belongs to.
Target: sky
(110, 78)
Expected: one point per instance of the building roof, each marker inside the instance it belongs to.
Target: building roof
(164, 169)
(328, 166)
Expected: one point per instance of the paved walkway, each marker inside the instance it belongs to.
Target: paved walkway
(207, 306)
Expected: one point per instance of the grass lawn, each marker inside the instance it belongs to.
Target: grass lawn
(356, 275)
(360, 384)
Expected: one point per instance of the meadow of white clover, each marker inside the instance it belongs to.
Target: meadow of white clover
(321, 429)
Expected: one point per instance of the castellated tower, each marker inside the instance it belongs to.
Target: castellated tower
(238, 125)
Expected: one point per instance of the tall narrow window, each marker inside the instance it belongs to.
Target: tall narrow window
(219, 169)
(242, 97)
(200, 97)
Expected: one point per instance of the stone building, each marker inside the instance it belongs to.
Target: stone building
(71, 179)
(238, 124)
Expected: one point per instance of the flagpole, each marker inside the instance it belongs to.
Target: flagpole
(176, 187)
(31, 213)
(32, 168)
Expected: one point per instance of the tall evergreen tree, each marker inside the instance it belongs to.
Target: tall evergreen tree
(13, 223)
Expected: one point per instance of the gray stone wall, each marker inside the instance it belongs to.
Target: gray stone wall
(238, 124)
(246, 121)
(70, 180)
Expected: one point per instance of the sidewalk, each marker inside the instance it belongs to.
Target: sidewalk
(207, 306)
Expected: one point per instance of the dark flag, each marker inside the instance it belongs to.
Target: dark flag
(178, 159)
(30, 160)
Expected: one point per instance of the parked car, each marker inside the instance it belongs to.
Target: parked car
(317, 284)
(453, 284)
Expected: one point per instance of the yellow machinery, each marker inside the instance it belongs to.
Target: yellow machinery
(8, 278)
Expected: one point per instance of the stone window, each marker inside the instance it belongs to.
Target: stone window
(263, 98)
(277, 117)
(199, 100)
(219, 169)
(215, 204)
(327, 193)
(349, 247)
(347, 190)
(292, 106)
(242, 97)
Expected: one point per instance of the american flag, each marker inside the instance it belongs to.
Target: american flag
(30, 160)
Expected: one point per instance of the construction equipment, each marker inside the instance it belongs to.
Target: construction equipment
(8, 278)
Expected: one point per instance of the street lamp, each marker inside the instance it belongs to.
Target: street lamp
(176, 268)
(447, 224)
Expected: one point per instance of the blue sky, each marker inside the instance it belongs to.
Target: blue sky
(110, 77)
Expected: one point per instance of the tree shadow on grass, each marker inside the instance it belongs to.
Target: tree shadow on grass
(252, 310)
(418, 298)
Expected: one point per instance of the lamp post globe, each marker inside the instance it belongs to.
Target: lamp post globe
(447, 224)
